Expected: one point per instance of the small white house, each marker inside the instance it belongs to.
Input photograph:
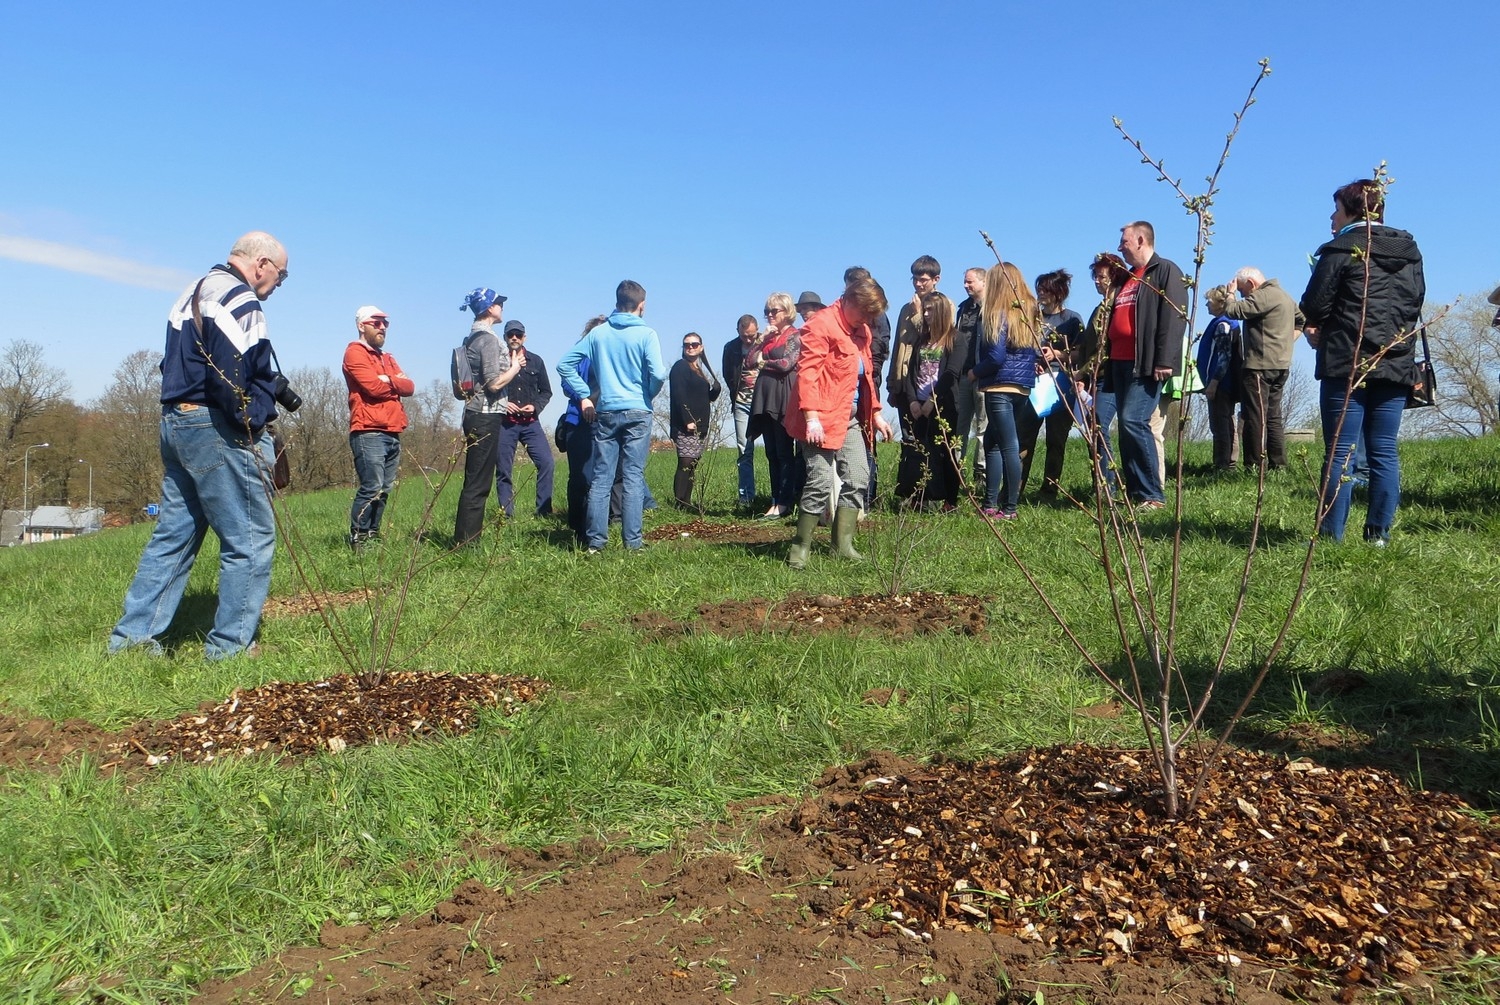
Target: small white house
(53, 523)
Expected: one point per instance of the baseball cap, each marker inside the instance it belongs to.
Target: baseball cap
(367, 312)
(513, 326)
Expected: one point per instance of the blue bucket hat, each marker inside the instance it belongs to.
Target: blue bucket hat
(481, 300)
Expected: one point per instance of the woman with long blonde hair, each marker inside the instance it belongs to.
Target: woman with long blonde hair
(1002, 363)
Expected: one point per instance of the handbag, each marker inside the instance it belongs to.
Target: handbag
(1423, 393)
(1044, 396)
(560, 433)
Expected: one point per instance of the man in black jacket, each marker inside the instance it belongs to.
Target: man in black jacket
(530, 390)
(1145, 349)
(971, 413)
(741, 384)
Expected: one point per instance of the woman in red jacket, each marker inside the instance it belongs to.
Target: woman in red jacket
(376, 386)
(834, 412)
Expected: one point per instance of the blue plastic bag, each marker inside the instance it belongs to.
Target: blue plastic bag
(1044, 396)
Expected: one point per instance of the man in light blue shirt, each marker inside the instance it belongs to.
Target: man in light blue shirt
(625, 374)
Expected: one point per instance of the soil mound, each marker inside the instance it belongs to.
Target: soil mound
(997, 882)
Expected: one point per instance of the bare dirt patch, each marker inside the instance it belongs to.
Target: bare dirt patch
(293, 718)
(762, 532)
(920, 612)
(999, 882)
(303, 604)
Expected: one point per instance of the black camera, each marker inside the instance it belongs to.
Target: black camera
(281, 390)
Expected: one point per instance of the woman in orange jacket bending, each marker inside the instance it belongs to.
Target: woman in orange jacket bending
(834, 412)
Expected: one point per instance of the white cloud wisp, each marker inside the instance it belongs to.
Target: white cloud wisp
(92, 263)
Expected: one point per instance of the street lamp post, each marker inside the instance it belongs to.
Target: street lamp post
(26, 485)
(91, 483)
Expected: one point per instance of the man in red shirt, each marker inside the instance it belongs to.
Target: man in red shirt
(1145, 349)
(376, 386)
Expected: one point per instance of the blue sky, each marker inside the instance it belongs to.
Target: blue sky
(406, 153)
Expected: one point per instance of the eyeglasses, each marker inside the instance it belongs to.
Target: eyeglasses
(377, 322)
(281, 274)
(692, 345)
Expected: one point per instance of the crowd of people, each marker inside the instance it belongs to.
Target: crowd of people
(1007, 362)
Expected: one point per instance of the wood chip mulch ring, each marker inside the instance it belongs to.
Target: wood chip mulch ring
(332, 714)
(1287, 864)
(918, 612)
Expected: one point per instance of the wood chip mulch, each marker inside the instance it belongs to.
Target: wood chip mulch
(332, 714)
(919, 612)
(1288, 864)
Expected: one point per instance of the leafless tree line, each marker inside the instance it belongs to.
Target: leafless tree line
(116, 437)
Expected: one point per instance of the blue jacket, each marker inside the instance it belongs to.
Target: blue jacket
(574, 415)
(627, 368)
(1220, 355)
(997, 363)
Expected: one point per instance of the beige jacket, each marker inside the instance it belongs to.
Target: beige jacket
(1271, 326)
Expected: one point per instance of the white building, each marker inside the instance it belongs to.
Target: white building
(53, 523)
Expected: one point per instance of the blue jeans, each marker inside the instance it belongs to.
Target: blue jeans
(1104, 416)
(621, 441)
(534, 437)
(215, 477)
(1002, 450)
(747, 453)
(377, 455)
(1135, 401)
(1374, 410)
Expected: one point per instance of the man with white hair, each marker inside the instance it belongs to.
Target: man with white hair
(219, 391)
(1270, 322)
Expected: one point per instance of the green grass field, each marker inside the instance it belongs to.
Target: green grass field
(138, 890)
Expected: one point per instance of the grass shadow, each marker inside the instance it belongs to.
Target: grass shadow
(1432, 726)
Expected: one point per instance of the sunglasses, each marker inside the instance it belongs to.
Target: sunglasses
(281, 274)
(378, 323)
(692, 345)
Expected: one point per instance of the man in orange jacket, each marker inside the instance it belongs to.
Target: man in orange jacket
(376, 386)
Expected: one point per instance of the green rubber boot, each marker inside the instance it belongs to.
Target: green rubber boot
(844, 520)
(802, 543)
